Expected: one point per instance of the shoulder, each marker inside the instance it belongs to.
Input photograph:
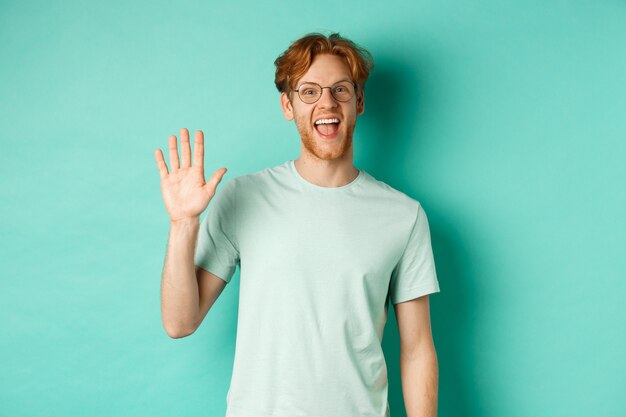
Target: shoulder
(395, 198)
(258, 179)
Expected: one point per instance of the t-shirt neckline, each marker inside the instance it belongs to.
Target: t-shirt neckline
(300, 178)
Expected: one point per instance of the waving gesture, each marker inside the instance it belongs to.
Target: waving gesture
(185, 192)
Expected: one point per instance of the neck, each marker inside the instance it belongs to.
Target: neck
(326, 173)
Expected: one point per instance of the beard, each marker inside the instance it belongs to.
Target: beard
(321, 148)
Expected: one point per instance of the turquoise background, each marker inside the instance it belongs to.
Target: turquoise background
(506, 120)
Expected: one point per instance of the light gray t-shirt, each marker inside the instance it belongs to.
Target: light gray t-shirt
(318, 266)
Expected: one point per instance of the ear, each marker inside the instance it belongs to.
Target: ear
(286, 106)
(360, 101)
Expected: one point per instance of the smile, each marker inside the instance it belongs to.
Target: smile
(327, 128)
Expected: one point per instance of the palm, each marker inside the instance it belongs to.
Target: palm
(185, 192)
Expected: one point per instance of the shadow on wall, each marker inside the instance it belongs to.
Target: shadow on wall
(453, 325)
(395, 99)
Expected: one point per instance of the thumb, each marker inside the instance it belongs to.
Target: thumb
(216, 178)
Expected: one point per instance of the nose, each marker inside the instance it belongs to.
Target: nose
(327, 100)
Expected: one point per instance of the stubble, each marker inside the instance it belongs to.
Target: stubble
(316, 146)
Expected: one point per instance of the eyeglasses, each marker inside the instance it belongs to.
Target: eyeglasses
(309, 93)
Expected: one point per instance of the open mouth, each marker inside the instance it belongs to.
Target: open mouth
(327, 128)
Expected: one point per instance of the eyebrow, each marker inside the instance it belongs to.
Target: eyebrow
(313, 82)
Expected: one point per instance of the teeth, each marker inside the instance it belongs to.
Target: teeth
(326, 121)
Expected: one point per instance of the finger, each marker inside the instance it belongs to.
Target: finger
(198, 150)
(172, 147)
(185, 149)
(161, 165)
(215, 179)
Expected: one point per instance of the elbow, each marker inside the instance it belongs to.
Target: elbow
(178, 331)
(419, 352)
(177, 334)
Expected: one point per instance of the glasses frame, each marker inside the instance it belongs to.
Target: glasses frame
(355, 85)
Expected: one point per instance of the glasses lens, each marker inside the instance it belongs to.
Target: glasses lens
(309, 92)
(343, 91)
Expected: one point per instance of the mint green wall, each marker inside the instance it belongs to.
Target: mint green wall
(505, 119)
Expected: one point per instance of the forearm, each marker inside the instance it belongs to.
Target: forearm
(179, 285)
(420, 380)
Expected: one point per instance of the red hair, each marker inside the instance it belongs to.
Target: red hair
(297, 59)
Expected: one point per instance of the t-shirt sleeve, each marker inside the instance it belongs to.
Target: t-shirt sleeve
(217, 250)
(415, 274)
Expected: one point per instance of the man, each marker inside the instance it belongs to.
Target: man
(322, 248)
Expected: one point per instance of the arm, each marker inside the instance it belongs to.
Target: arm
(187, 293)
(418, 358)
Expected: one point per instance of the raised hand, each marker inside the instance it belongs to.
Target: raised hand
(185, 192)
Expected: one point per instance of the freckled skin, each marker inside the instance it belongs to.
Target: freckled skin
(312, 143)
(325, 70)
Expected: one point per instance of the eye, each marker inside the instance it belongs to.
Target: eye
(340, 89)
(307, 92)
